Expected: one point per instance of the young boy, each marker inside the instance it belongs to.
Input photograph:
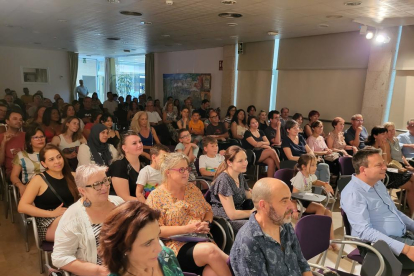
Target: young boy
(190, 149)
(210, 161)
(150, 176)
(196, 127)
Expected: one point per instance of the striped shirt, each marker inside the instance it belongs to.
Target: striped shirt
(30, 164)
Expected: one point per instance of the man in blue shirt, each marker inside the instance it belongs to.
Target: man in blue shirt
(356, 134)
(371, 211)
(407, 140)
(267, 245)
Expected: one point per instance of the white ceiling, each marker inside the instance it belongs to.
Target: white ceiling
(191, 24)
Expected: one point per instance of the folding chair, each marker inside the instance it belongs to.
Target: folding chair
(313, 233)
(45, 248)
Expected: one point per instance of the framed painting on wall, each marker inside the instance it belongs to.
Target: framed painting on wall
(182, 86)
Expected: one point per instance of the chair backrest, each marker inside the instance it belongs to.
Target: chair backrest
(251, 157)
(285, 175)
(346, 165)
(393, 266)
(287, 164)
(313, 232)
(207, 196)
(347, 225)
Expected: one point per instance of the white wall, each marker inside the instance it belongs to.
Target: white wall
(194, 61)
(12, 59)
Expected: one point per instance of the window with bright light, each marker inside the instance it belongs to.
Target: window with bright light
(130, 75)
(92, 72)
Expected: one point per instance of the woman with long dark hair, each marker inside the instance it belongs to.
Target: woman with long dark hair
(113, 135)
(229, 116)
(238, 124)
(27, 162)
(51, 192)
(51, 123)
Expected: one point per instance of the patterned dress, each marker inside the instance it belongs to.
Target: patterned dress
(175, 212)
(168, 263)
(226, 186)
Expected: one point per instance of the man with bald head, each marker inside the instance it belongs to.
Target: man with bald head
(267, 244)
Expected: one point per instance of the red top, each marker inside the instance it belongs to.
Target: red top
(13, 146)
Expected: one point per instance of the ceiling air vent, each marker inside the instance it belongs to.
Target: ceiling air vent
(230, 15)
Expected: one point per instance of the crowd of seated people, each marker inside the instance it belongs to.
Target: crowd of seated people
(73, 165)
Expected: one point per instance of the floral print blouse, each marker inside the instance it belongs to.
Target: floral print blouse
(175, 212)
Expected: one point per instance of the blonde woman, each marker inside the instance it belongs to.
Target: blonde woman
(141, 125)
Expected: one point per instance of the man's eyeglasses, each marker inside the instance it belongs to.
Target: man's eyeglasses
(212, 117)
(359, 120)
(38, 138)
(185, 136)
(97, 186)
(182, 170)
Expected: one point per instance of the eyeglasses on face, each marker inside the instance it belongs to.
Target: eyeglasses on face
(185, 136)
(97, 186)
(212, 117)
(182, 170)
(38, 138)
(359, 120)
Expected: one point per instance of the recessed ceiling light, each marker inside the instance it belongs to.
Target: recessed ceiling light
(145, 23)
(113, 38)
(232, 24)
(62, 20)
(127, 51)
(323, 25)
(228, 2)
(37, 43)
(234, 37)
(55, 37)
(178, 44)
(98, 34)
(114, 1)
(131, 13)
(353, 3)
(165, 35)
(334, 16)
(230, 15)
(273, 33)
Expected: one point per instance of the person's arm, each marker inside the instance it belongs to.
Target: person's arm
(289, 155)
(202, 167)
(82, 268)
(84, 155)
(277, 140)
(233, 129)
(356, 209)
(326, 185)
(26, 202)
(138, 192)
(164, 118)
(154, 134)
(55, 141)
(355, 142)
(15, 179)
(121, 188)
(230, 209)
(3, 143)
(189, 152)
(180, 125)
(265, 141)
(308, 150)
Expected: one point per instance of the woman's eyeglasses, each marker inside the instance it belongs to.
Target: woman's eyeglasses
(97, 186)
(182, 170)
(37, 138)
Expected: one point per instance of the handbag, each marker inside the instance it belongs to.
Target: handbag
(332, 156)
(192, 237)
(54, 191)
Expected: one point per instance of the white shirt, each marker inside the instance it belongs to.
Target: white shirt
(302, 183)
(74, 238)
(149, 175)
(153, 117)
(210, 164)
(111, 106)
(82, 91)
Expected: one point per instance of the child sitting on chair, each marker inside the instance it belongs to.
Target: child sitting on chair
(302, 182)
(210, 161)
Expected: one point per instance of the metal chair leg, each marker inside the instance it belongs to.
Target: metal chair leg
(26, 231)
(41, 261)
(9, 195)
(353, 267)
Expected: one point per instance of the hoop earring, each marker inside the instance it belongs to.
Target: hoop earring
(87, 203)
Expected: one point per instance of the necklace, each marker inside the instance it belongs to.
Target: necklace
(152, 273)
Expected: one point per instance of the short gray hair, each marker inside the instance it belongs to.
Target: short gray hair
(355, 116)
(170, 161)
(409, 121)
(84, 172)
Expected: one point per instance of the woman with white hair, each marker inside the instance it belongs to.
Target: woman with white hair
(77, 236)
(184, 211)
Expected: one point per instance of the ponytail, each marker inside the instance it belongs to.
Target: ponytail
(223, 166)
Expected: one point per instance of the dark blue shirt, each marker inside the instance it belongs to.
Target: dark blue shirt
(255, 253)
(297, 150)
(350, 136)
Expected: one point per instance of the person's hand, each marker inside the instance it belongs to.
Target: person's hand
(193, 145)
(58, 211)
(73, 155)
(409, 252)
(295, 214)
(409, 167)
(222, 152)
(203, 228)
(7, 137)
(329, 151)
(278, 123)
(22, 188)
(266, 147)
(102, 271)
(355, 149)
(359, 129)
(328, 188)
(192, 227)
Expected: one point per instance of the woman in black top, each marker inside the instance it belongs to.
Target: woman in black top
(255, 139)
(49, 205)
(124, 172)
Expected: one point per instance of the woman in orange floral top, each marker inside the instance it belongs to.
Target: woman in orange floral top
(183, 211)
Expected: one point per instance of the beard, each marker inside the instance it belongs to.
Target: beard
(279, 220)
